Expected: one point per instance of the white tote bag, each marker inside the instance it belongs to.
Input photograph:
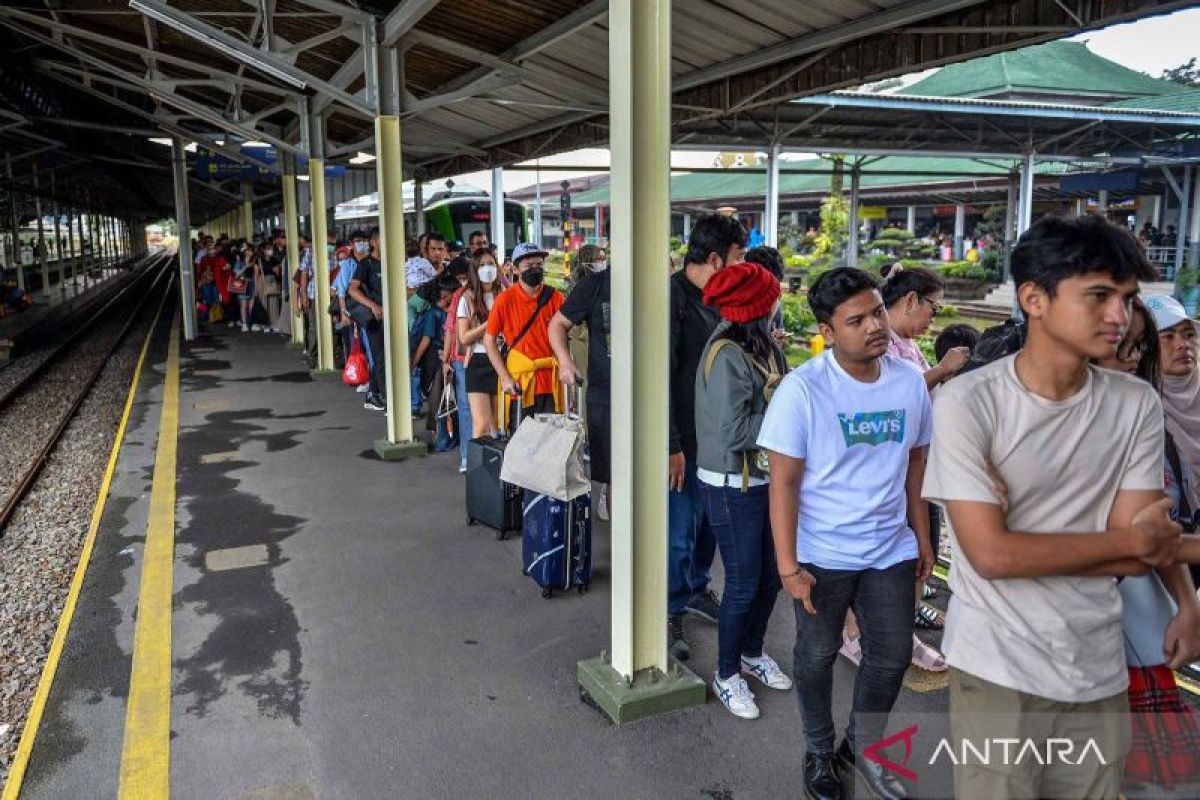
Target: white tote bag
(545, 456)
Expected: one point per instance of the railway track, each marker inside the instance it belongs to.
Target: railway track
(37, 408)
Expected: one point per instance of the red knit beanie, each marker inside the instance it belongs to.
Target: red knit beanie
(742, 292)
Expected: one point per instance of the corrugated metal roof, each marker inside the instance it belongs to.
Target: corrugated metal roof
(1184, 102)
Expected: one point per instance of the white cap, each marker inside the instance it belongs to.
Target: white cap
(1166, 310)
(418, 272)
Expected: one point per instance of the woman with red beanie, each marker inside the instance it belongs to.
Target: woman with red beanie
(739, 370)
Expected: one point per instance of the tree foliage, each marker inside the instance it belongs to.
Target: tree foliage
(1186, 74)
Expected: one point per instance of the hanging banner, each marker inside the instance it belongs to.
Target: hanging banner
(872, 212)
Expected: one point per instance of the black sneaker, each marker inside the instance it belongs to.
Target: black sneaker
(680, 649)
(821, 781)
(880, 783)
(705, 605)
(374, 403)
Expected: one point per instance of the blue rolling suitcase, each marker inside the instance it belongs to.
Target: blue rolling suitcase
(556, 542)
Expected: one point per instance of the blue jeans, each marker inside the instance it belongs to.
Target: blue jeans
(883, 601)
(691, 544)
(465, 425)
(741, 523)
(415, 391)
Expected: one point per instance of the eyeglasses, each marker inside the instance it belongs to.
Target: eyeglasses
(937, 307)
(1130, 351)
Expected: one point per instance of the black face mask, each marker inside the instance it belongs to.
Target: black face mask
(532, 277)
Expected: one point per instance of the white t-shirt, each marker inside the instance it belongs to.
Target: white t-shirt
(1063, 462)
(464, 312)
(855, 440)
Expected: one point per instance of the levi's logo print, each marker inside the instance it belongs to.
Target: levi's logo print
(873, 428)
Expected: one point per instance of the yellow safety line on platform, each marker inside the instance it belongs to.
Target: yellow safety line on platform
(16, 775)
(146, 755)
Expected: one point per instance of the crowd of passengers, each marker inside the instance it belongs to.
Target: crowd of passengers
(1066, 466)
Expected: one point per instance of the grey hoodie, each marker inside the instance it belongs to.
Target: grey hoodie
(729, 409)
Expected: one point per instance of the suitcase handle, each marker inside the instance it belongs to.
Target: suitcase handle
(504, 402)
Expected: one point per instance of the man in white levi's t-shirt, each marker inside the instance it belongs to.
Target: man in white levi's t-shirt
(1033, 633)
(846, 435)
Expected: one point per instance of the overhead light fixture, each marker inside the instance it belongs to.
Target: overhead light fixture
(213, 38)
(255, 144)
(163, 140)
(301, 177)
(362, 158)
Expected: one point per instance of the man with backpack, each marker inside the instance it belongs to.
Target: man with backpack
(715, 242)
(521, 316)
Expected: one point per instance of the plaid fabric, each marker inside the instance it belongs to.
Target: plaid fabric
(1165, 749)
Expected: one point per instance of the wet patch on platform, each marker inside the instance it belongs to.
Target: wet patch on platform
(253, 645)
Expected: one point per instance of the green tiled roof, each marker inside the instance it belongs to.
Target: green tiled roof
(705, 186)
(1186, 101)
(1050, 68)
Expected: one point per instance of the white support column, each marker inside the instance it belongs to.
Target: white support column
(1080, 206)
(687, 226)
(1102, 203)
(910, 222)
(1156, 214)
(497, 216)
(1185, 206)
(639, 678)
(58, 256)
(419, 204)
(291, 228)
(852, 241)
(960, 226)
(1025, 206)
(183, 219)
(1193, 244)
(537, 213)
(771, 216)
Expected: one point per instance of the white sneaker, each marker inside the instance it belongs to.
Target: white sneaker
(736, 696)
(363, 388)
(233, 324)
(256, 327)
(766, 670)
(245, 328)
(602, 505)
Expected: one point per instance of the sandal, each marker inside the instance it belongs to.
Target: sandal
(927, 658)
(852, 648)
(928, 618)
(929, 592)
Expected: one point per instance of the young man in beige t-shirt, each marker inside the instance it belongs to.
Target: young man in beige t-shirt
(1034, 625)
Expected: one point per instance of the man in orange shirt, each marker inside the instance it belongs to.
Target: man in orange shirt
(521, 316)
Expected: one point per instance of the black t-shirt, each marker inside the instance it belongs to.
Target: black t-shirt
(369, 273)
(590, 302)
(692, 323)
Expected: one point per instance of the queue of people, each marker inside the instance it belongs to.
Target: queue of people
(1067, 471)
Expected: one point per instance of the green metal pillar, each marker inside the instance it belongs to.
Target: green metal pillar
(399, 442)
(637, 678)
(291, 226)
(316, 190)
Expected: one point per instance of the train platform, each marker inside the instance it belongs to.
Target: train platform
(65, 297)
(269, 611)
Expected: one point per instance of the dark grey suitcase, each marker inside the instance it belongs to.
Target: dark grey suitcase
(491, 501)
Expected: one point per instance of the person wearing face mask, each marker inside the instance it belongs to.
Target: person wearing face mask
(366, 290)
(1177, 339)
(474, 307)
(590, 303)
(521, 316)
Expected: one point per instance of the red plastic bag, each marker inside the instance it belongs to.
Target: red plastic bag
(355, 373)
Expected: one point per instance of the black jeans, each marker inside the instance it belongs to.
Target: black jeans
(884, 603)
(741, 522)
(373, 328)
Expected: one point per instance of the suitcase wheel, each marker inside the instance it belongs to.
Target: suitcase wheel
(501, 535)
(547, 593)
(470, 521)
(583, 587)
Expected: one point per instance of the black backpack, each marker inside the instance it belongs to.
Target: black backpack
(996, 343)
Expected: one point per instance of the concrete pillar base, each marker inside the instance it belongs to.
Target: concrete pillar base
(290, 345)
(324, 374)
(651, 692)
(399, 451)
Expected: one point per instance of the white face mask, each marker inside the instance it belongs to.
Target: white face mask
(362, 248)
(487, 273)
(599, 266)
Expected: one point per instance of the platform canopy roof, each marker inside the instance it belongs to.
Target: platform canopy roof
(485, 82)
